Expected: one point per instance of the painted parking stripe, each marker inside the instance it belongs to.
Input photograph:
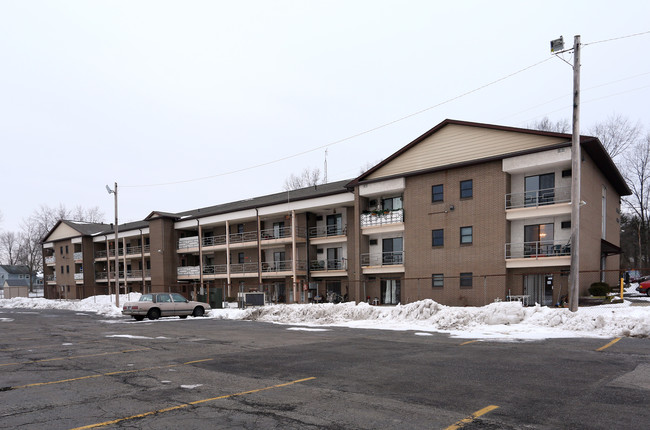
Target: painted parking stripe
(99, 375)
(609, 344)
(185, 405)
(72, 357)
(472, 417)
(469, 341)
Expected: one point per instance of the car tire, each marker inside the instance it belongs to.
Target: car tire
(647, 292)
(183, 316)
(153, 314)
(198, 311)
(138, 317)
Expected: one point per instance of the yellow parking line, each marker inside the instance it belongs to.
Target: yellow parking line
(468, 342)
(72, 357)
(609, 344)
(99, 375)
(185, 405)
(472, 417)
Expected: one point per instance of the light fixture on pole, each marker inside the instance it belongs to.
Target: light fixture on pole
(117, 261)
(557, 47)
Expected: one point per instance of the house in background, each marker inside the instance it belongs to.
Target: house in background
(11, 272)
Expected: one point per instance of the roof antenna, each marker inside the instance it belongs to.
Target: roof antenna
(325, 175)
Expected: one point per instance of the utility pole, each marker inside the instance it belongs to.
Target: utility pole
(557, 47)
(576, 161)
(117, 257)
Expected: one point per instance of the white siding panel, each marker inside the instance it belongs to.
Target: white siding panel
(458, 144)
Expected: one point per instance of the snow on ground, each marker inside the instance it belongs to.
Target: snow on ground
(498, 321)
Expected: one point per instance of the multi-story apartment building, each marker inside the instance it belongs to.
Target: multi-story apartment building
(465, 214)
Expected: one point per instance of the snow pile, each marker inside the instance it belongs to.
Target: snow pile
(501, 320)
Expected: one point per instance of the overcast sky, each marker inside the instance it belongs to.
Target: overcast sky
(151, 92)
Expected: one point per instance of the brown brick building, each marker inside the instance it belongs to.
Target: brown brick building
(465, 214)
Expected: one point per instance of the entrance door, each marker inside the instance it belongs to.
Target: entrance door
(539, 288)
(334, 225)
(392, 250)
(538, 239)
(334, 258)
(540, 189)
(390, 291)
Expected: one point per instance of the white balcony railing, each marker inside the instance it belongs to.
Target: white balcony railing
(78, 276)
(379, 218)
(383, 258)
(542, 248)
(78, 256)
(188, 242)
(50, 260)
(188, 270)
(548, 196)
(327, 265)
(326, 231)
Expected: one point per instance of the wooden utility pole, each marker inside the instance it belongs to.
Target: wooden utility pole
(576, 159)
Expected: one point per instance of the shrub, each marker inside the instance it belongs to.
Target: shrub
(599, 289)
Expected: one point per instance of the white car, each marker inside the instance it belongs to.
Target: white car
(156, 305)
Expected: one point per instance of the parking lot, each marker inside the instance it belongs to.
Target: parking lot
(65, 370)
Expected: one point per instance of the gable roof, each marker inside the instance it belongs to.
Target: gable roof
(321, 190)
(16, 283)
(454, 143)
(64, 229)
(15, 269)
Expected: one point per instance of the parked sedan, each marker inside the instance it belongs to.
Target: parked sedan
(644, 288)
(156, 305)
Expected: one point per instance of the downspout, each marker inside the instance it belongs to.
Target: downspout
(144, 266)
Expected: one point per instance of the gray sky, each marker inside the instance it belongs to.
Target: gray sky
(150, 92)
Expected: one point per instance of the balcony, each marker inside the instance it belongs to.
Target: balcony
(382, 262)
(213, 241)
(111, 253)
(281, 233)
(382, 218)
(326, 231)
(50, 278)
(240, 268)
(339, 264)
(78, 256)
(185, 243)
(248, 236)
(283, 266)
(538, 254)
(185, 271)
(215, 269)
(50, 260)
(78, 276)
(538, 203)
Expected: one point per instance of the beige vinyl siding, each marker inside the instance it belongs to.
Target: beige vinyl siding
(63, 231)
(459, 144)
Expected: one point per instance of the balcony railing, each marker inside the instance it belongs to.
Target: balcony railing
(542, 248)
(379, 218)
(330, 264)
(78, 256)
(188, 271)
(250, 267)
(216, 269)
(247, 236)
(50, 260)
(383, 259)
(78, 276)
(50, 278)
(548, 196)
(326, 230)
(111, 253)
(188, 242)
(133, 250)
(214, 240)
(283, 266)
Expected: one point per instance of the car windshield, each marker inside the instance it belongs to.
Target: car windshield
(146, 298)
(178, 298)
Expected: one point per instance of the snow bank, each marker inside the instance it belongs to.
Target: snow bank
(502, 320)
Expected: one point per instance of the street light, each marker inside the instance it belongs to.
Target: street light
(117, 261)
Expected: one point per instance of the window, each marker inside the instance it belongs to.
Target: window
(392, 203)
(66, 249)
(334, 225)
(437, 280)
(466, 280)
(240, 258)
(540, 189)
(67, 269)
(240, 228)
(539, 240)
(437, 193)
(466, 234)
(61, 269)
(392, 250)
(466, 187)
(278, 230)
(565, 224)
(61, 250)
(437, 237)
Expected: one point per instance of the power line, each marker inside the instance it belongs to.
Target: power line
(617, 38)
(344, 139)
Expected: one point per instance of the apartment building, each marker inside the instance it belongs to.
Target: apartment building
(466, 214)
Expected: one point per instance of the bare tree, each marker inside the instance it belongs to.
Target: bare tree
(617, 134)
(308, 178)
(10, 248)
(637, 175)
(545, 124)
